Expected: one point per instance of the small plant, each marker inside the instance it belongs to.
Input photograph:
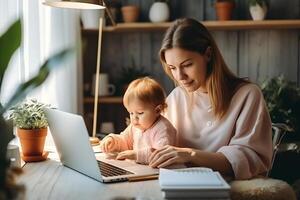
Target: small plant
(283, 101)
(29, 115)
(255, 2)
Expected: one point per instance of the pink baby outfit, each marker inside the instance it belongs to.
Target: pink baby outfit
(243, 135)
(161, 133)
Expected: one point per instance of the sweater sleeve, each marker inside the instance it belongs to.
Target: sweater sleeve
(250, 148)
(164, 135)
(124, 140)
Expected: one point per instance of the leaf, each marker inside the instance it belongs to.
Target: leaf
(283, 101)
(37, 80)
(9, 43)
(6, 135)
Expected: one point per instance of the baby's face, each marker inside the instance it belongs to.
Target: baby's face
(142, 115)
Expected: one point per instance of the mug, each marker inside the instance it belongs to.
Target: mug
(107, 127)
(13, 154)
(104, 88)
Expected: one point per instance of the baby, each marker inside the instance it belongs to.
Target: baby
(144, 99)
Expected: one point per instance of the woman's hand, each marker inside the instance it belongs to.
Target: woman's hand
(170, 155)
(129, 154)
(108, 145)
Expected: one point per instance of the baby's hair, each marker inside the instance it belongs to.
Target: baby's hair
(146, 90)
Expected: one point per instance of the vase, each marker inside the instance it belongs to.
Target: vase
(258, 12)
(130, 13)
(159, 12)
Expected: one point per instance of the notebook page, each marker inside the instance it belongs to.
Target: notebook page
(189, 177)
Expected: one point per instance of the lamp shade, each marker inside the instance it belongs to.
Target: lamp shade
(73, 5)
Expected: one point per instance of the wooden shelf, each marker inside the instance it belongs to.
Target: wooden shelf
(113, 100)
(211, 25)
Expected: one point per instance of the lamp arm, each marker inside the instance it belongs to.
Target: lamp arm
(97, 78)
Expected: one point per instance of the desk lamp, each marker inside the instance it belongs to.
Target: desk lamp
(87, 6)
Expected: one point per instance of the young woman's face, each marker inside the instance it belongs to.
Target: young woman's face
(142, 116)
(188, 68)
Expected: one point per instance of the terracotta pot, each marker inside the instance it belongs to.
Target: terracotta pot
(32, 141)
(224, 10)
(130, 13)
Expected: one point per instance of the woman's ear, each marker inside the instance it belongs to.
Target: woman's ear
(208, 53)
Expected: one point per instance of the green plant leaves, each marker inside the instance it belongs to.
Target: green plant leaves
(283, 101)
(29, 115)
(6, 135)
(28, 86)
(9, 43)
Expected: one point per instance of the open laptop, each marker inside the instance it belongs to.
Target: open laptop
(71, 139)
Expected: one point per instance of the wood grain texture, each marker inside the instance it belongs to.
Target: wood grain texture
(228, 40)
(50, 180)
(279, 9)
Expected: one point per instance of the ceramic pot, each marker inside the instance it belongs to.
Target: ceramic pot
(130, 13)
(224, 10)
(159, 12)
(32, 141)
(258, 12)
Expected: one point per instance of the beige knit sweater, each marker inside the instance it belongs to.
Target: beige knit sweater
(243, 135)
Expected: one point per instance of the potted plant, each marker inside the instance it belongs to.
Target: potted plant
(128, 74)
(31, 123)
(10, 41)
(258, 9)
(224, 9)
(283, 101)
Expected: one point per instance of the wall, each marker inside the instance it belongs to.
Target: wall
(256, 54)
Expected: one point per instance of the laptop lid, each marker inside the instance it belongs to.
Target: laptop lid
(71, 139)
(72, 142)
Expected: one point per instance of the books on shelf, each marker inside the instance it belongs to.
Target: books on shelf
(198, 182)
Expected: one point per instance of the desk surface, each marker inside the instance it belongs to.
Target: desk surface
(51, 180)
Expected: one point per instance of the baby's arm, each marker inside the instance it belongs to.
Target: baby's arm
(116, 142)
(108, 144)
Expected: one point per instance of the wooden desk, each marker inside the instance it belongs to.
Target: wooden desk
(51, 180)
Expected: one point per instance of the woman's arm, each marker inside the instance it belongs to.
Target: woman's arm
(174, 155)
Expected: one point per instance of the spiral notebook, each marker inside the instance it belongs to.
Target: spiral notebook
(196, 182)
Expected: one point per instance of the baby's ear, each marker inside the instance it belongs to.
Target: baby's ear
(158, 109)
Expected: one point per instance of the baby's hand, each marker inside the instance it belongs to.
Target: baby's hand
(107, 145)
(129, 154)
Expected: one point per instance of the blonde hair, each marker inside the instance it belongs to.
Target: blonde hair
(191, 35)
(146, 90)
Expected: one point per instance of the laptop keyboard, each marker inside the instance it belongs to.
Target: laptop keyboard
(108, 170)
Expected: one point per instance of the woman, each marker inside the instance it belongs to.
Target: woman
(221, 120)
